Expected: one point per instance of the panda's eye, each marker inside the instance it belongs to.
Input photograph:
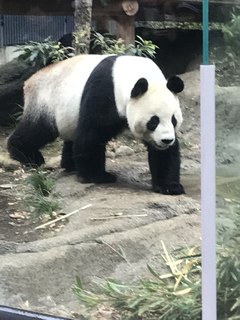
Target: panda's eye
(153, 123)
(174, 121)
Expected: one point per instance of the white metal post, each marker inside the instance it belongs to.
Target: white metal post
(208, 192)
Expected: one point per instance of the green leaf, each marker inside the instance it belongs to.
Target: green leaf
(79, 283)
(153, 272)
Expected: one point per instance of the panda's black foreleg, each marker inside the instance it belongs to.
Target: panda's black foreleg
(67, 161)
(165, 170)
(89, 157)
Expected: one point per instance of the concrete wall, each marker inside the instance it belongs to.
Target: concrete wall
(7, 54)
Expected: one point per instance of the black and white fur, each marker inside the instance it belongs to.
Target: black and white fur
(89, 99)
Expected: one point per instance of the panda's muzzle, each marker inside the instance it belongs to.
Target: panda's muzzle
(167, 141)
(164, 144)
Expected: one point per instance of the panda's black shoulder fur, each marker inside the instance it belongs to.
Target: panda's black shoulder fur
(98, 122)
(98, 105)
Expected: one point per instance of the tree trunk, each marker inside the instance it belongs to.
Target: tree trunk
(83, 21)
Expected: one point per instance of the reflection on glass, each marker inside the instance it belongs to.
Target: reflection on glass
(56, 233)
(224, 48)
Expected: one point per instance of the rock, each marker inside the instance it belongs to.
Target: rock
(110, 154)
(12, 77)
(7, 163)
(124, 151)
(227, 125)
(53, 163)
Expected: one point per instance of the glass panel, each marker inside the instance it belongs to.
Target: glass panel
(53, 228)
(224, 53)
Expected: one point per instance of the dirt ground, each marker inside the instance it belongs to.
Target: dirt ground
(16, 222)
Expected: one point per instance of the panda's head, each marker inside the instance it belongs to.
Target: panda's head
(154, 113)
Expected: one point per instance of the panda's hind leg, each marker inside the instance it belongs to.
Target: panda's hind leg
(90, 165)
(28, 137)
(89, 156)
(67, 161)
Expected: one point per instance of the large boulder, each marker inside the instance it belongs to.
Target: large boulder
(12, 77)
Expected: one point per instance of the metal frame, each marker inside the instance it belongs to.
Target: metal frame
(208, 192)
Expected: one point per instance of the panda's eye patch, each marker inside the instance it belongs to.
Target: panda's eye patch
(174, 121)
(153, 123)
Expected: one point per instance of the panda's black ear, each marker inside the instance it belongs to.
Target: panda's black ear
(175, 84)
(140, 87)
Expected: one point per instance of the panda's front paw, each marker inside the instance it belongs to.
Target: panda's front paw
(175, 189)
(171, 189)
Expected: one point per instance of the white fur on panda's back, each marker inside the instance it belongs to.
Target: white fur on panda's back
(127, 71)
(56, 91)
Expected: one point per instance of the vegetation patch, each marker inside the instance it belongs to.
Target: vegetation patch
(41, 54)
(225, 53)
(41, 199)
(176, 294)
(109, 45)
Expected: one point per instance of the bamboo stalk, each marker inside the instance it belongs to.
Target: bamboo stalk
(63, 217)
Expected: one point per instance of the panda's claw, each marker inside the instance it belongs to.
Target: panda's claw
(175, 189)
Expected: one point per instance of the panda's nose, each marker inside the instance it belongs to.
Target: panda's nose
(167, 141)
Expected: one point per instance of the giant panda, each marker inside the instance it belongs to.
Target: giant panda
(89, 99)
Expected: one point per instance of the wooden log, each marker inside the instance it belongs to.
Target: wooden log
(126, 28)
(116, 8)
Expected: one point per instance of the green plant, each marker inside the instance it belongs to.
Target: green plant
(40, 199)
(41, 54)
(109, 45)
(231, 33)
(228, 289)
(228, 267)
(41, 206)
(144, 48)
(41, 182)
(81, 37)
(175, 295)
(225, 53)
